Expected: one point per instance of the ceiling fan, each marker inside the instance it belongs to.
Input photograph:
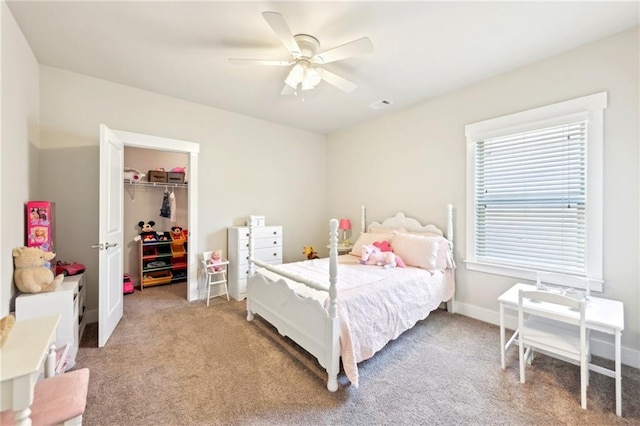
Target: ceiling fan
(306, 56)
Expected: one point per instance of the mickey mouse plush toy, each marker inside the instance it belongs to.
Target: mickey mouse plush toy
(146, 230)
(177, 232)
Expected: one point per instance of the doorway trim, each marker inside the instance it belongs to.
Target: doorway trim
(159, 143)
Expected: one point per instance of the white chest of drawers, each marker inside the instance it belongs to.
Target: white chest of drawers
(68, 301)
(268, 248)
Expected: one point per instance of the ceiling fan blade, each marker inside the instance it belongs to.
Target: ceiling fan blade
(353, 48)
(335, 80)
(280, 27)
(288, 90)
(237, 61)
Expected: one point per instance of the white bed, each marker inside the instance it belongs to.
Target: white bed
(375, 305)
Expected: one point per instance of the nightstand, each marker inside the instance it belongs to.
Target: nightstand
(343, 248)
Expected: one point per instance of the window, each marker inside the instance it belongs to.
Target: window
(534, 191)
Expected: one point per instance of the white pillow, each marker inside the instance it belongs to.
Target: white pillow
(366, 239)
(417, 250)
(444, 256)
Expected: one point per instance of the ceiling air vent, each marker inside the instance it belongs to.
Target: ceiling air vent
(380, 104)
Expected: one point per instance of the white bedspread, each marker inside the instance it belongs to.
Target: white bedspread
(375, 305)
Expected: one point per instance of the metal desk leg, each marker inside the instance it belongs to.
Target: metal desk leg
(618, 375)
(502, 348)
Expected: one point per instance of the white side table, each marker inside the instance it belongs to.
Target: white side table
(343, 248)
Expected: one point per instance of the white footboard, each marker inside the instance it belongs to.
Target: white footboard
(304, 320)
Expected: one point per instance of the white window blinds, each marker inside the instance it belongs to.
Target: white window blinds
(530, 199)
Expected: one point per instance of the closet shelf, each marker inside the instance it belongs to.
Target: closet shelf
(154, 184)
(131, 186)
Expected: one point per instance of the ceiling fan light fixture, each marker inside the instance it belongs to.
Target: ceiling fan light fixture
(295, 77)
(304, 75)
(312, 77)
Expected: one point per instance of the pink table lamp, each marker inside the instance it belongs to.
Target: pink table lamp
(345, 225)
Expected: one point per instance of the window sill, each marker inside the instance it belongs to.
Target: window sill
(525, 274)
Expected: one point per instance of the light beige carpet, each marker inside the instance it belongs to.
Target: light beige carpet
(171, 362)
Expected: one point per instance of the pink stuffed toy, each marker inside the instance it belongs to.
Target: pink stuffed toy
(383, 245)
(371, 255)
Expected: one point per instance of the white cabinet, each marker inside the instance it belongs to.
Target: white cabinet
(267, 247)
(68, 300)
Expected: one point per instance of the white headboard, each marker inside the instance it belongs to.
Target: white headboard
(400, 220)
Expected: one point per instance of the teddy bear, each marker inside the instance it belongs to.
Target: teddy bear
(6, 324)
(31, 275)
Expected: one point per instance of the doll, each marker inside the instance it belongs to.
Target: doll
(215, 261)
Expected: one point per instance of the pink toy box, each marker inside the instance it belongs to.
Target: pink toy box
(127, 284)
(40, 224)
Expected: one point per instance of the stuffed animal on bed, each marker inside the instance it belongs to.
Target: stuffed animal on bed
(383, 245)
(371, 255)
(308, 251)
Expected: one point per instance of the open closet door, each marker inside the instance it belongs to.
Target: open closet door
(110, 304)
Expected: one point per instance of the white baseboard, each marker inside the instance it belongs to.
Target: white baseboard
(599, 347)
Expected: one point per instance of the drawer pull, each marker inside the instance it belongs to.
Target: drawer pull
(247, 244)
(247, 234)
(275, 232)
(275, 254)
(275, 242)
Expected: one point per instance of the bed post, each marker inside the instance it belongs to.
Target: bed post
(251, 269)
(333, 364)
(450, 302)
(363, 219)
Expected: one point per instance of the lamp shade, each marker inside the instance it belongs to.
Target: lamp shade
(344, 224)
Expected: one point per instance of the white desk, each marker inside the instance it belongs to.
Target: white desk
(602, 315)
(30, 342)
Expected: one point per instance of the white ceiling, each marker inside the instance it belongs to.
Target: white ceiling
(421, 49)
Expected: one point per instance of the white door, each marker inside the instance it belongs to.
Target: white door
(110, 303)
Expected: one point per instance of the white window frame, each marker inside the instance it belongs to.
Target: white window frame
(589, 107)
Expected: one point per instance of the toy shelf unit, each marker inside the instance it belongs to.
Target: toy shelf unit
(163, 259)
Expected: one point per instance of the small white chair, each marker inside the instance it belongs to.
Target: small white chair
(215, 273)
(554, 335)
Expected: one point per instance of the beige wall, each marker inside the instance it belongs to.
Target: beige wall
(246, 166)
(18, 145)
(414, 160)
